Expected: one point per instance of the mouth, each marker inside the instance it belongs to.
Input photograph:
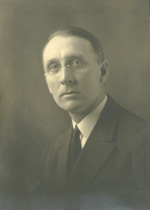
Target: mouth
(71, 93)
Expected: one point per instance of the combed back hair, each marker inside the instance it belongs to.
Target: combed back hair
(79, 32)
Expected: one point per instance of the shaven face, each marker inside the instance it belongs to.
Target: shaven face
(73, 74)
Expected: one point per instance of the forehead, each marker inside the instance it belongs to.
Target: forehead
(63, 45)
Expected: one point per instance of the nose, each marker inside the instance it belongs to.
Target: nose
(66, 75)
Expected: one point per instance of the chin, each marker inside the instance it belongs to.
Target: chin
(71, 107)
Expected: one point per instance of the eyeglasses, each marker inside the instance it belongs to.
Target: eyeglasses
(73, 64)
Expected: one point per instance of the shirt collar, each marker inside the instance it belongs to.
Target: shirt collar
(87, 124)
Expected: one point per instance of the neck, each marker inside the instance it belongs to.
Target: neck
(77, 117)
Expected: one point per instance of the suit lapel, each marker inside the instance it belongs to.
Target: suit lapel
(63, 160)
(98, 148)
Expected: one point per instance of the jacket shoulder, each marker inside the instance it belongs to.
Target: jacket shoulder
(127, 116)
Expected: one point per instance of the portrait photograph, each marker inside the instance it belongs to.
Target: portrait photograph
(74, 104)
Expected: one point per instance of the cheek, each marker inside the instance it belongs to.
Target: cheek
(92, 86)
(89, 81)
(52, 86)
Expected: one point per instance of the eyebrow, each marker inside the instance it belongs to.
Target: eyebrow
(75, 56)
(51, 61)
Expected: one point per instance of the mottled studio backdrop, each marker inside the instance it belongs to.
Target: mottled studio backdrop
(28, 115)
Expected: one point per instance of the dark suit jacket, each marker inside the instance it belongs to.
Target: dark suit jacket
(116, 157)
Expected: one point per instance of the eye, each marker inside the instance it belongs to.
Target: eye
(76, 63)
(53, 68)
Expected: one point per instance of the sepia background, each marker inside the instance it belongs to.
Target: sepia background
(29, 118)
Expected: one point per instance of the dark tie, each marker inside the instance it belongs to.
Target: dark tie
(75, 147)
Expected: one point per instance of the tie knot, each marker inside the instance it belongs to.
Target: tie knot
(76, 132)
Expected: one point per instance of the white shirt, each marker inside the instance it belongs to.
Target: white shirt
(87, 124)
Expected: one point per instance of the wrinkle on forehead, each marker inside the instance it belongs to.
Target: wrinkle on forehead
(68, 42)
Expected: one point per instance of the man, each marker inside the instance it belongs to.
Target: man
(113, 155)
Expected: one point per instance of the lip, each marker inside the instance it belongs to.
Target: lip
(70, 93)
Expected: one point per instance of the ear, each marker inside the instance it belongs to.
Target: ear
(46, 78)
(104, 71)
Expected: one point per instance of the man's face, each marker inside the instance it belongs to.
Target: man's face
(73, 73)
